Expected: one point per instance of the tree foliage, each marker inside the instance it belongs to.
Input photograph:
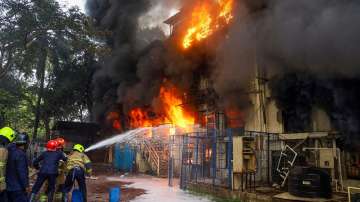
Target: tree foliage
(47, 58)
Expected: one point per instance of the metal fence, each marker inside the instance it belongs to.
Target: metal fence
(206, 158)
(267, 151)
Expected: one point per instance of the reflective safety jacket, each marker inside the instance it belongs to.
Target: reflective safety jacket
(81, 160)
(3, 160)
(60, 180)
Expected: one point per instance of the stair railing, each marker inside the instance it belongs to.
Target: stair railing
(153, 157)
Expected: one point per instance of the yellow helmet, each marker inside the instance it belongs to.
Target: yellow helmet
(8, 133)
(79, 148)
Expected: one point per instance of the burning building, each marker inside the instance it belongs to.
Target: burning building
(279, 73)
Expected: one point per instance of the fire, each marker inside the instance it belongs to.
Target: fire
(206, 18)
(114, 119)
(139, 118)
(172, 112)
(173, 109)
(235, 117)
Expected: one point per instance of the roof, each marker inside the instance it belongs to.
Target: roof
(174, 19)
(302, 136)
(83, 133)
(64, 125)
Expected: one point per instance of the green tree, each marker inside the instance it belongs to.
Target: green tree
(51, 53)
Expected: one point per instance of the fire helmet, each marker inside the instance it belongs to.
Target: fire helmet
(79, 148)
(51, 145)
(8, 133)
(61, 142)
(22, 139)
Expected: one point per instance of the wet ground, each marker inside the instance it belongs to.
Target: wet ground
(139, 188)
(157, 190)
(98, 189)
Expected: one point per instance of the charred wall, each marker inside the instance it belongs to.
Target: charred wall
(298, 93)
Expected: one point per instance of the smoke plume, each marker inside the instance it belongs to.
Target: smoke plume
(314, 46)
(140, 60)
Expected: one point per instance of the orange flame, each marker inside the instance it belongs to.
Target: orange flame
(173, 112)
(114, 119)
(139, 118)
(173, 109)
(206, 18)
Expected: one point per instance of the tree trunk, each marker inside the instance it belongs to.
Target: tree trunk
(41, 76)
(47, 127)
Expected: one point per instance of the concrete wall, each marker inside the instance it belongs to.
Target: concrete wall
(274, 117)
(263, 106)
(254, 120)
(321, 121)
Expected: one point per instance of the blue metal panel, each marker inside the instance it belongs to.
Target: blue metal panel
(124, 157)
(117, 157)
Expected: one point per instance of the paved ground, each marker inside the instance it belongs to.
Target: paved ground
(156, 190)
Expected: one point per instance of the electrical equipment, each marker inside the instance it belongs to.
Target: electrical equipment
(244, 162)
(244, 154)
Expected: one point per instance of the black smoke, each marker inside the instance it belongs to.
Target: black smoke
(116, 72)
(314, 46)
(317, 42)
(140, 60)
(298, 92)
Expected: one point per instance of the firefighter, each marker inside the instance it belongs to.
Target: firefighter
(48, 162)
(7, 135)
(17, 170)
(60, 180)
(61, 143)
(78, 165)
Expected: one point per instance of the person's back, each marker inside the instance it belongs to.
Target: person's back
(48, 162)
(78, 165)
(17, 169)
(77, 159)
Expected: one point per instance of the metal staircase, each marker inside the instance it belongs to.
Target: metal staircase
(157, 157)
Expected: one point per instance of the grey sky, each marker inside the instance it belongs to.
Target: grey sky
(70, 3)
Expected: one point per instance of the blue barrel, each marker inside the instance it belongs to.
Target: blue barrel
(76, 196)
(115, 194)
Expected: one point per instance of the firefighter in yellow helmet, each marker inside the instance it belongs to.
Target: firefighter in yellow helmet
(7, 135)
(78, 165)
